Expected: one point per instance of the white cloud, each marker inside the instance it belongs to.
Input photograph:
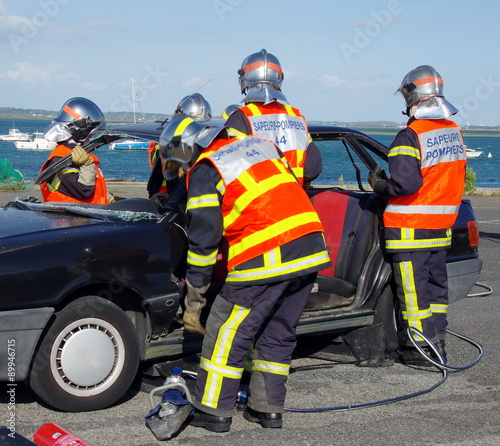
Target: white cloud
(19, 29)
(31, 76)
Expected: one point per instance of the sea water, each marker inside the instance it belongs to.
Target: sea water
(119, 164)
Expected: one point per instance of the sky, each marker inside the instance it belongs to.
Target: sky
(342, 60)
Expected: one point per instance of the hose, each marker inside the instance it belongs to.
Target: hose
(441, 365)
(488, 291)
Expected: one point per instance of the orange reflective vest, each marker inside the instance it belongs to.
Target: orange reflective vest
(283, 125)
(50, 190)
(442, 158)
(258, 190)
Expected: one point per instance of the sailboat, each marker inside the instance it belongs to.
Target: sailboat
(131, 144)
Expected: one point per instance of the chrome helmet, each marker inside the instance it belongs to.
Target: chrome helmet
(194, 105)
(78, 119)
(421, 83)
(260, 67)
(181, 142)
(229, 110)
(422, 91)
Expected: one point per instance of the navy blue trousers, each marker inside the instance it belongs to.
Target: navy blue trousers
(422, 287)
(265, 316)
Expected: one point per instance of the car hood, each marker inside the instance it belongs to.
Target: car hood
(19, 218)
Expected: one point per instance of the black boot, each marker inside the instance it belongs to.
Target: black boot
(264, 419)
(440, 348)
(210, 422)
(412, 356)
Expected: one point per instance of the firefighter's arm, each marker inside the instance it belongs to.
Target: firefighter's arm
(204, 216)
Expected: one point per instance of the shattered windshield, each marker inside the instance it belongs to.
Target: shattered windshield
(139, 210)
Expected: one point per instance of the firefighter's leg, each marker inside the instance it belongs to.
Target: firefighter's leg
(273, 349)
(236, 316)
(438, 296)
(411, 273)
(438, 292)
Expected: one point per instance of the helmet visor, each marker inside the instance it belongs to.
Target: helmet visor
(173, 169)
(56, 132)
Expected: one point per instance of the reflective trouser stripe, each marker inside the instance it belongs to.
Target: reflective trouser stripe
(422, 284)
(413, 314)
(271, 367)
(217, 368)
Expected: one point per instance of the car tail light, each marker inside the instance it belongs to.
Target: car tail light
(473, 232)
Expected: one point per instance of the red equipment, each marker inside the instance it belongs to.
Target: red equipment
(51, 434)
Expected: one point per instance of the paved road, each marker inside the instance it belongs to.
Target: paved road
(464, 410)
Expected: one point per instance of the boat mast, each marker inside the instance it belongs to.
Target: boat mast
(133, 98)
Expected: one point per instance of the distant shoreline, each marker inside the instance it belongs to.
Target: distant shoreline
(377, 129)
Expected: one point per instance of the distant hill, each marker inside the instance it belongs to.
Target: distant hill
(33, 113)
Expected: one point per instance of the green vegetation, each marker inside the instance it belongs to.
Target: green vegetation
(470, 180)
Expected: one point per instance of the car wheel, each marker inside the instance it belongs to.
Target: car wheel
(387, 313)
(88, 358)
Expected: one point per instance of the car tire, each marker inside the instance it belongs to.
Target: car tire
(88, 358)
(387, 313)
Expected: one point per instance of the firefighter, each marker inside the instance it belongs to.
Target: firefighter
(194, 105)
(83, 181)
(427, 162)
(229, 110)
(266, 113)
(242, 194)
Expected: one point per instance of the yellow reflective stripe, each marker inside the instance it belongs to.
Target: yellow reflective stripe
(217, 367)
(221, 187)
(182, 126)
(54, 185)
(255, 110)
(410, 296)
(272, 230)
(271, 367)
(405, 150)
(418, 244)
(439, 308)
(254, 192)
(225, 371)
(409, 241)
(289, 110)
(56, 182)
(203, 201)
(71, 170)
(215, 376)
(267, 272)
(272, 257)
(235, 133)
(200, 260)
(423, 314)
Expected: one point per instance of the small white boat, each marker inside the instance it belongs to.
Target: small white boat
(471, 153)
(38, 142)
(129, 144)
(15, 135)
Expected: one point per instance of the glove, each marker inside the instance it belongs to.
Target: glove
(195, 301)
(192, 322)
(378, 181)
(80, 157)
